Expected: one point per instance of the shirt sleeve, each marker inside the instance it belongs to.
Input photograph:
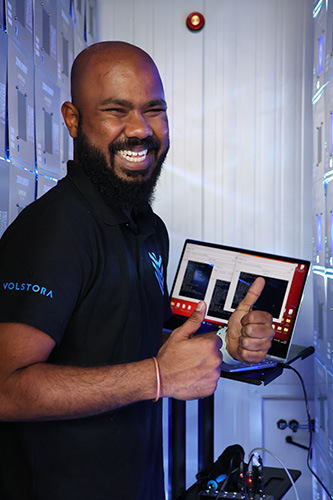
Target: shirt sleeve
(40, 273)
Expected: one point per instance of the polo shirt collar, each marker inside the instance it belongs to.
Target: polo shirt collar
(110, 215)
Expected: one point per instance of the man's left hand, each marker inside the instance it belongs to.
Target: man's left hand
(250, 333)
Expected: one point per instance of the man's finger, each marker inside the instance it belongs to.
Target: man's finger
(252, 295)
(193, 323)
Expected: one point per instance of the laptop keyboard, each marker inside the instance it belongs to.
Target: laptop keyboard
(241, 367)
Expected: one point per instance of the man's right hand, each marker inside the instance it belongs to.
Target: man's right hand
(190, 365)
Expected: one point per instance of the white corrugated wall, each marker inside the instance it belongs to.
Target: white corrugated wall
(239, 171)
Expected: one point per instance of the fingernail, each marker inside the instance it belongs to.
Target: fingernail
(200, 306)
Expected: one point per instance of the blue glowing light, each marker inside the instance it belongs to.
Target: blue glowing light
(320, 54)
(317, 8)
(321, 271)
(319, 233)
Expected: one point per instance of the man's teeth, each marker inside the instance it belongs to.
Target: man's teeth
(134, 156)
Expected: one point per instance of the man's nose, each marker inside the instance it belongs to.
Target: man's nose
(137, 126)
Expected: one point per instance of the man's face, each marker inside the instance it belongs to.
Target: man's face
(119, 192)
(123, 116)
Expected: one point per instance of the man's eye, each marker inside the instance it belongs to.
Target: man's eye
(116, 110)
(155, 111)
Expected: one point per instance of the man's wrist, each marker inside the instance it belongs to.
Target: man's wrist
(227, 357)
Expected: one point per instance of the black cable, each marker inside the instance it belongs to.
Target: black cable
(310, 428)
(230, 472)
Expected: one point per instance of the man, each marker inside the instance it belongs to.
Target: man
(82, 369)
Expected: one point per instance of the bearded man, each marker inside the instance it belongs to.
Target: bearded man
(83, 300)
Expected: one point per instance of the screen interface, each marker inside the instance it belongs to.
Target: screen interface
(221, 276)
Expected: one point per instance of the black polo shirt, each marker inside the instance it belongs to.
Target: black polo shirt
(96, 283)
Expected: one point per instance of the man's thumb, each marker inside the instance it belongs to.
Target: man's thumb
(194, 321)
(252, 295)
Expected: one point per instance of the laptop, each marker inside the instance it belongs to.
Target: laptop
(221, 276)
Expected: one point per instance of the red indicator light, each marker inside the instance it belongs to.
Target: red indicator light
(195, 21)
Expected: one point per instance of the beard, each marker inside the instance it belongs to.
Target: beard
(132, 194)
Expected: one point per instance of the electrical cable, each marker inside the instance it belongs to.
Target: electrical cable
(222, 490)
(310, 429)
(251, 456)
(230, 472)
(280, 461)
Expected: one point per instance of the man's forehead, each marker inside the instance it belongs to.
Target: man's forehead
(113, 64)
(123, 81)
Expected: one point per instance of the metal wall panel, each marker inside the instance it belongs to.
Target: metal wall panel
(19, 23)
(47, 112)
(320, 315)
(66, 142)
(91, 22)
(328, 354)
(319, 50)
(2, 16)
(79, 12)
(22, 186)
(20, 107)
(323, 468)
(3, 91)
(323, 200)
(65, 43)
(330, 413)
(328, 125)
(45, 36)
(319, 138)
(4, 195)
(44, 184)
(328, 187)
(321, 406)
(328, 63)
(319, 224)
(79, 41)
(34, 73)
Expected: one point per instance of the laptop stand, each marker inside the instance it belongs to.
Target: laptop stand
(258, 377)
(177, 422)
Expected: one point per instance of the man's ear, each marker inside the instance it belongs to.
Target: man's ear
(71, 117)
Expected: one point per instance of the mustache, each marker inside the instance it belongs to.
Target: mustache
(148, 143)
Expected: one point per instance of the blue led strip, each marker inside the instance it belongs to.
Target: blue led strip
(317, 8)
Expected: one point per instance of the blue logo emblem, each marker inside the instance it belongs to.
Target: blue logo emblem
(158, 267)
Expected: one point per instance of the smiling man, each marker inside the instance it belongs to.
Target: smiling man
(118, 118)
(82, 367)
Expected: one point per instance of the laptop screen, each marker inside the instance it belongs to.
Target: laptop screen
(221, 276)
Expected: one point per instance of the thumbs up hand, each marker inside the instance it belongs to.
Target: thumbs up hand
(190, 364)
(250, 333)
